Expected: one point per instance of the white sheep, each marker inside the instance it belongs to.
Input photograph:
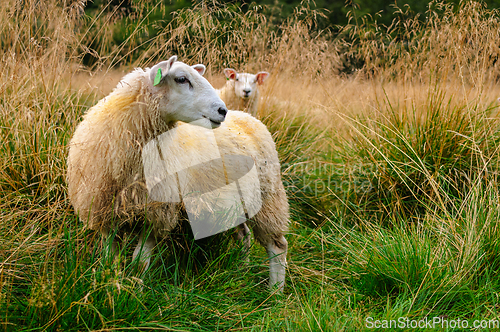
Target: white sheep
(106, 181)
(241, 91)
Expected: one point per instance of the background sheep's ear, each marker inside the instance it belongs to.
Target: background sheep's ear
(230, 73)
(199, 68)
(261, 77)
(164, 66)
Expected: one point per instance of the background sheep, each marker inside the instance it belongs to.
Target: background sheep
(241, 90)
(105, 168)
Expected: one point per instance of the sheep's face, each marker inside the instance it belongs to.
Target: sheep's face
(183, 94)
(245, 84)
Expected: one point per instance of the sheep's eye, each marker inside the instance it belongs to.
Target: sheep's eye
(181, 80)
(237, 79)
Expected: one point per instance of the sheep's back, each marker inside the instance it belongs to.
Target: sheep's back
(239, 134)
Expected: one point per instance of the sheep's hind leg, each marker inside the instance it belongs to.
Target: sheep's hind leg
(276, 247)
(144, 250)
(269, 227)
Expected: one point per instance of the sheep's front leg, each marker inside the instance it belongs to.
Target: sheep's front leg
(110, 246)
(243, 235)
(276, 249)
(144, 250)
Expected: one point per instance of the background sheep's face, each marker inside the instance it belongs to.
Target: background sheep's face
(245, 84)
(183, 94)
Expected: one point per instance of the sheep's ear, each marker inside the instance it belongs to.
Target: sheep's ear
(261, 76)
(199, 68)
(160, 70)
(230, 73)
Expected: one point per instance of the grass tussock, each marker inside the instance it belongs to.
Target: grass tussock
(388, 143)
(421, 158)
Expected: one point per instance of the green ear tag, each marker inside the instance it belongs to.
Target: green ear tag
(157, 77)
(227, 78)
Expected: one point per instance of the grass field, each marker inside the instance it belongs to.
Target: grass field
(388, 138)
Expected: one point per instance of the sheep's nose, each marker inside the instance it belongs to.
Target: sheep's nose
(222, 111)
(247, 92)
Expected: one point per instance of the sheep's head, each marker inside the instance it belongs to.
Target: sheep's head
(183, 94)
(245, 84)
